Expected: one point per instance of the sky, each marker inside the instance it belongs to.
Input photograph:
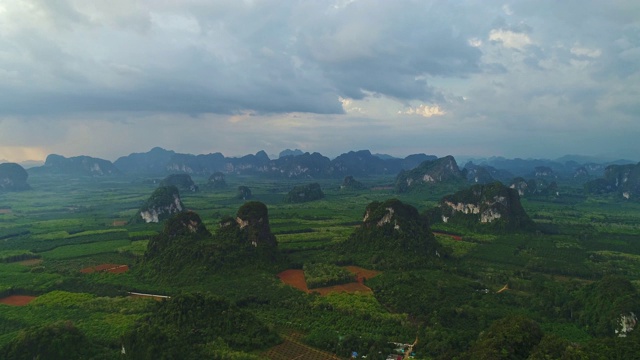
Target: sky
(527, 78)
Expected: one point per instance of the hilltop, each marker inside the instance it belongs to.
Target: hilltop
(163, 202)
(181, 181)
(431, 172)
(622, 179)
(304, 193)
(392, 234)
(493, 206)
(77, 165)
(185, 244)
(13, 177)
(349, 183)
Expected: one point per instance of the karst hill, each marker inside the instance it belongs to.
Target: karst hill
(77, 166)
(162, 204)
(621, 179)
(186, 246)
(492, 206)
(431, 172)
(13, 177)
(392, 234)
(181, 181)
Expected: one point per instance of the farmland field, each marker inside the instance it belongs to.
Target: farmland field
(69, 242)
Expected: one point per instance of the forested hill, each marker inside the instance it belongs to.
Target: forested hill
(186, 246)
(392, 235)
(13, 177)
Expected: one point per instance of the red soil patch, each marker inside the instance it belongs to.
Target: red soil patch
(119, 223)
(118, 270)
(17, 300)
(30, 262)
(294, 278)
(5, 211)
(454, 237)
(105, 267)
(362, 273)
(112, 268)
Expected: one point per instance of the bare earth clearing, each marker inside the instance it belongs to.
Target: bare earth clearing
(111, 268)
(17, 300)
(296, 279)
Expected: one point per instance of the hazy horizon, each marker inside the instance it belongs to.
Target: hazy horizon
(461, 159)
(518, 79)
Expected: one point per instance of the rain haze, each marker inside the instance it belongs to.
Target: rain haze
(530, 78)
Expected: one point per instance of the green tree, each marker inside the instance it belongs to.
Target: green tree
(512, 337)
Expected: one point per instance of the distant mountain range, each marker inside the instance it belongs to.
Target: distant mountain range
(563, 166)
(296, 164)
(291, 164)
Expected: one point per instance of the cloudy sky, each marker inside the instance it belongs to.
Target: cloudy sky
(529, 78)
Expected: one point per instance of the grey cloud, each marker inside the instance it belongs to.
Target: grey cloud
(399, 42)
(570, 70)
(269, 56)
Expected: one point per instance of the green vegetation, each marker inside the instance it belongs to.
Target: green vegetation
(560, 291)
(304, 193)
(322, 275)
(55, 341)
(16, 255)
(74, 251)
(196, 326)
(181, 181)
(392, 235)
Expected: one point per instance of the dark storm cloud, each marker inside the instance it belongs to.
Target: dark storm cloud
(385, 49)
(224, 57)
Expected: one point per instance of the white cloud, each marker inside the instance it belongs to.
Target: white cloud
(583, 51)
(510, 39)
(475, 42)
(423, 110)
(349, 106)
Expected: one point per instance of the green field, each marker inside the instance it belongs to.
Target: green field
(549, 276)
